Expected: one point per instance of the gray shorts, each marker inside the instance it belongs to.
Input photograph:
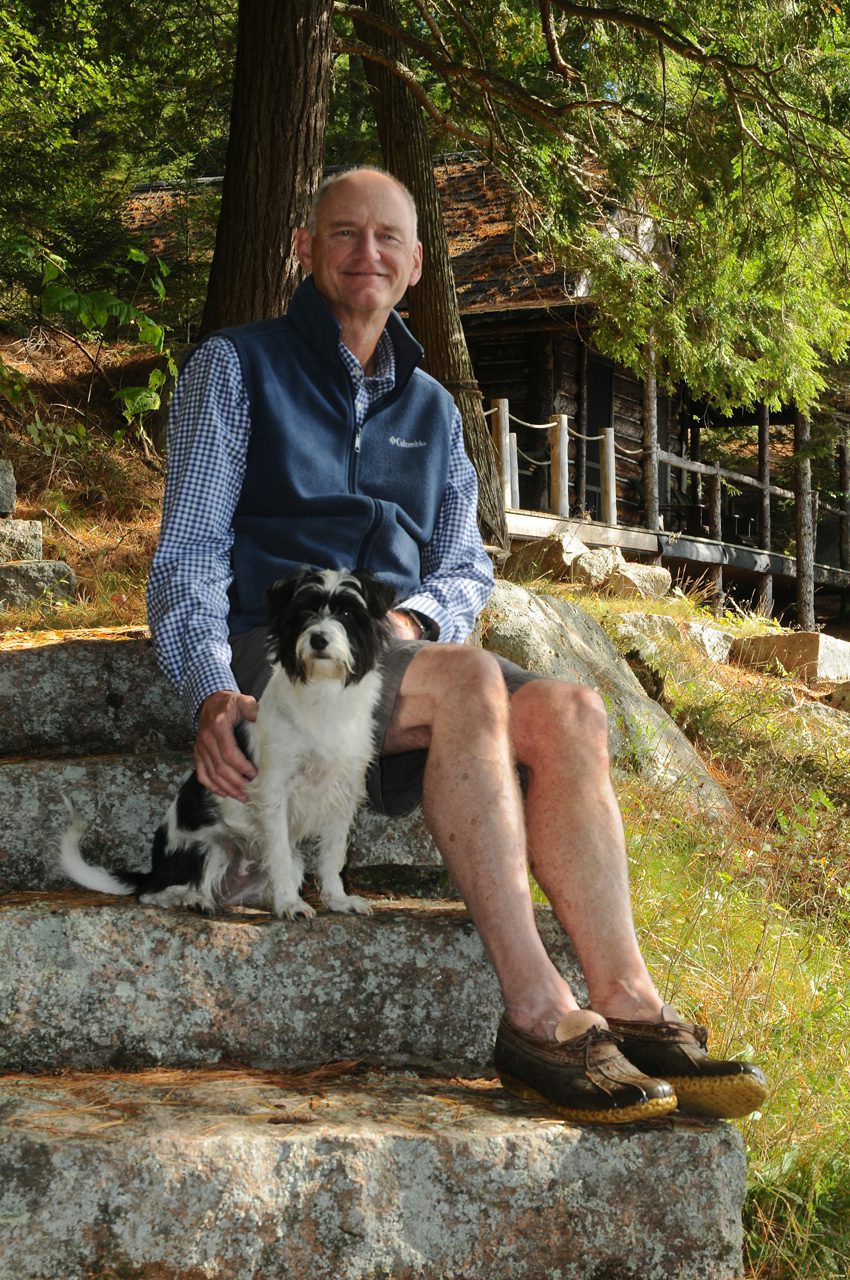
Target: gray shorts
(394, 782)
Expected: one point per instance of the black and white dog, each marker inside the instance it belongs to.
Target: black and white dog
(312, 743)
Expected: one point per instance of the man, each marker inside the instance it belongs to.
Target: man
(315, 438)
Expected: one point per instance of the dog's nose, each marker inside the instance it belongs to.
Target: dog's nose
(318, 641)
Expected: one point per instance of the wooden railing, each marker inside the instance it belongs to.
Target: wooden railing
(559, 434)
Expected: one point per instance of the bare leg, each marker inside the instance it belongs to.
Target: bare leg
(453, 700)
(575, 840)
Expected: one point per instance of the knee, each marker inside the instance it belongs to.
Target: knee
(460, 676)
(551, 718)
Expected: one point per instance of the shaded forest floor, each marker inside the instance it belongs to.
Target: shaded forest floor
(94, 480)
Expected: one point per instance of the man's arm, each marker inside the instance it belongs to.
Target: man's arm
(209, 428)
(457, 575)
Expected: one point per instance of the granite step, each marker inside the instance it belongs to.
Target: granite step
(350, 1175)
(94, 718)
(93, 981)
(87, 696)
(124, 797)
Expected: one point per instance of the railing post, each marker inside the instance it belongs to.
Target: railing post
(559, 465)
(649, 466)
(804, 526)
(608, 477)
(501, 433)
(514, 461)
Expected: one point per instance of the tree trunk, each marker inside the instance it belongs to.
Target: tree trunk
(764, 596)
(274, 157)
(433, 309)
(650, 444)
(844, 537)
(805, 524)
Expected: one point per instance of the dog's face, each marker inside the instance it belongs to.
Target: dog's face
(327, 624)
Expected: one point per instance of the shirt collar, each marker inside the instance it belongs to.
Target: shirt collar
(384, 362)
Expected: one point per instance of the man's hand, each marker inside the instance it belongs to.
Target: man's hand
(220, 765)
(404, 626)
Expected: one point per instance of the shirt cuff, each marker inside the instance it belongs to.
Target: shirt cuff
(430, 609)
(199, 684)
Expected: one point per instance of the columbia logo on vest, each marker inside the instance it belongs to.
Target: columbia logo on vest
(408, 444)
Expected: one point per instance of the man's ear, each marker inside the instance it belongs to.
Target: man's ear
(416, 270)
(304, 248)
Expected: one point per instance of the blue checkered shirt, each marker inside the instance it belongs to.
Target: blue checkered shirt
(209, 429)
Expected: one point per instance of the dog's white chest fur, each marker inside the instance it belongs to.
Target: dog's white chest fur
(312, 745)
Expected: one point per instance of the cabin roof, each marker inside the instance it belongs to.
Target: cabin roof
(494, 263)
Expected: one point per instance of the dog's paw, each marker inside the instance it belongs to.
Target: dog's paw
(348, 903)
(294, 910)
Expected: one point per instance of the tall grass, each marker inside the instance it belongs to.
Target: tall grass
(772, 986)
(746, 924)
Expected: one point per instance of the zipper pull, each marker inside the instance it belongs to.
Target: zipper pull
(357, 436)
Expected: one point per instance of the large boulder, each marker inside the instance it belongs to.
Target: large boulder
(545, 557)
(557, 638)
(24, 581)
(595, 567)
(639, 581)
(810, 655)
(669, 647)
(21, 540)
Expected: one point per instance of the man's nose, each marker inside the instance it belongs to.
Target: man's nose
(368, 244)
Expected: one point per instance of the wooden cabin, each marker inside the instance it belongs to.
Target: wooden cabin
(527, 325)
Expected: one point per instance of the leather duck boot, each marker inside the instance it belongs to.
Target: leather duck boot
(581, 1074)
(676, 1051)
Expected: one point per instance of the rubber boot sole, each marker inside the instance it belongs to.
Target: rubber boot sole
(725, 1098)
(649, 1109)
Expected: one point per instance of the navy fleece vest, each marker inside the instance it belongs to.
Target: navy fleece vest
(316, 490)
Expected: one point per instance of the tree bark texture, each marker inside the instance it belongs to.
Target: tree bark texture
(650, 445)
(432, 304)
(274, 157)
(582, 418)
(805, 523)
(764, 592)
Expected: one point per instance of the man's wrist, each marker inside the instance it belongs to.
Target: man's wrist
(426, 627)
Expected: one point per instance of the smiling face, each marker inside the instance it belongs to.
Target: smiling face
(363, 253)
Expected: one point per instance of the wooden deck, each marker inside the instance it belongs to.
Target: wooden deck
(676, 550)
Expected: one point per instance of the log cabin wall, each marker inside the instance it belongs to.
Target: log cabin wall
(535, 362)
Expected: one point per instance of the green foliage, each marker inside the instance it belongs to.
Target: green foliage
(100, 104)
(96, 313)
(690, 164)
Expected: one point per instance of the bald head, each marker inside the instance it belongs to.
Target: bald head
(346, 175)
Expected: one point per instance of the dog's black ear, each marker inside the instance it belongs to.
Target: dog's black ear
(280, 593)
(379, 596)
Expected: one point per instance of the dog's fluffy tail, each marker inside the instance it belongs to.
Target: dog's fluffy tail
(75, 866)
